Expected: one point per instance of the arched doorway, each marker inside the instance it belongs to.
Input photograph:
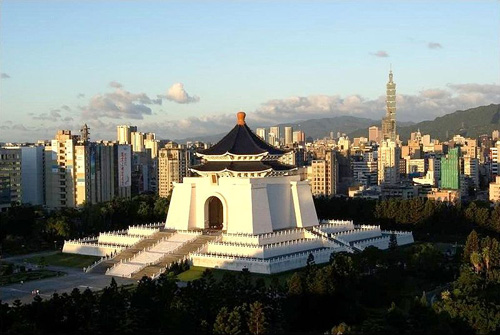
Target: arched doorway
(215, 213)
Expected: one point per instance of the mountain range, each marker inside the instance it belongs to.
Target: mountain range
(470, 123)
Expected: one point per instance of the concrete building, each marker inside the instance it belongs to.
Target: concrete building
(172, 167)
(323, 175)
(137, 141)
(299, 137)
(494, 194)
(388, 162)
(262, 133)
(471, 170)
(289, 137)
(60, 172)
(365, 171)
(274, 132)
(123, 133)
(373, 134)
(10, 177)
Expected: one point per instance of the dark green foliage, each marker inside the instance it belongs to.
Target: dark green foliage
(25, 229)
(429, 220)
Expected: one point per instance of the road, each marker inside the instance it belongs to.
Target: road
(74, 278)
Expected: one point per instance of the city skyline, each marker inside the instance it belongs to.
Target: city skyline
(184, 75)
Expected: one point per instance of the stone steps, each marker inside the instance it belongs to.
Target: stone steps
(130, 252)
(176, 256)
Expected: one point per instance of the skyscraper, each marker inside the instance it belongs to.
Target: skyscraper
(450, 170)
(373, 134)
(123, 133)
(276, 133)
(289, 136)
(262, 133)
(172, 167)
(388, 162)
(389, 121)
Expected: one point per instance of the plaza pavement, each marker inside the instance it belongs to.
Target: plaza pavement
(74, 278)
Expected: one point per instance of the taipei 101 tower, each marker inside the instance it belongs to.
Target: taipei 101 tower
(389, 121)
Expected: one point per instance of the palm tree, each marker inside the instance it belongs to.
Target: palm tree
(486, 257)
(475, 259)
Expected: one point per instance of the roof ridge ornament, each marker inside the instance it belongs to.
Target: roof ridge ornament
(241, 118)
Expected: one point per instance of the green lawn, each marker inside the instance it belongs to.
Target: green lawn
(68, 260)
(16, 278)
(195, 272)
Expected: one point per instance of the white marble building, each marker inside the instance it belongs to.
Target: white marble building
(244, 210)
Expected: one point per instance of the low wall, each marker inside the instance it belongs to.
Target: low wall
(359, 234)
(91, 249)
(119, 239)
(269, 238)
(281, 264)
(263, 251)
(142, 230)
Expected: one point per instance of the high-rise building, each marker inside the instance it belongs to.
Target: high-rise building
(82, 173)
(32, 175)
(137, 141)
(262, 133)
(389, 121)
(373, 134)
(471, 169)
(299, 137)
(495, 135)
(450, 170)
(365, 171)
(172, 167)
(10, 177)
(323, 175)
(388, 162)
(495, 190)
(60, 179)
(275, 131)
(288, 136)
(123, 133)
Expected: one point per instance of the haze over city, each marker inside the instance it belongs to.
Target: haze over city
(182, 69)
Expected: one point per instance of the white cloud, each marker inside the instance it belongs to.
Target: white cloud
(434, 45)
(425, 105)
(380, 53)
(177, 93)
(119, 104)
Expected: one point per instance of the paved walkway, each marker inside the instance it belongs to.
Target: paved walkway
(74, 277)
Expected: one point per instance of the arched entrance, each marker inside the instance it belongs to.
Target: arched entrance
(214, 215)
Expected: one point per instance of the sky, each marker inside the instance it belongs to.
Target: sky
(183, 69)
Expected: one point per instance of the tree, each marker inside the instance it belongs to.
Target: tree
(228, 323)
(472, 245)
(393, 242)
(495, 219)
(310, 260)
(295, 286)
(485, 255)
(341, 328)
(475, 259)
(59, 226)
(257, 323)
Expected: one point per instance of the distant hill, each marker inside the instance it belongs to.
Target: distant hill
(471, 123)
(315, 128)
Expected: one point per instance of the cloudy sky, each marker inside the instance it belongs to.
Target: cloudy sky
(182, 69)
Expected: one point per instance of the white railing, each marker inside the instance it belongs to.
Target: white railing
(99, 261)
